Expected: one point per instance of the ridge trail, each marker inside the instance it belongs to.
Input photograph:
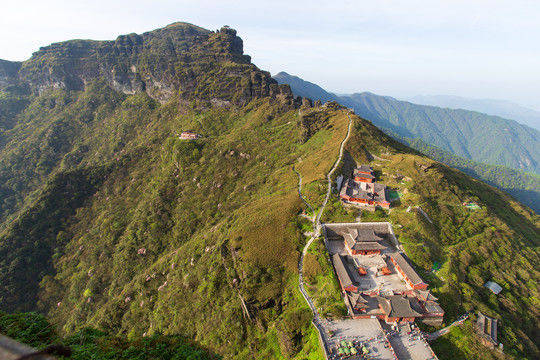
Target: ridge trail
(319, 324)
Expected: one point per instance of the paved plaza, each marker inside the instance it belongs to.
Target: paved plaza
(410, 345)
(362, 332)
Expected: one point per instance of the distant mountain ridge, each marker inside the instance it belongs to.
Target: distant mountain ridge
(301, 87)
(502, 108)
(469, 134)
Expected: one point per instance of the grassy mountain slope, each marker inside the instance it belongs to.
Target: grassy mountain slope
(117, 224)
(216, 219)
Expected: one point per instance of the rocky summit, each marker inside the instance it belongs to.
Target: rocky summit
(179, 59)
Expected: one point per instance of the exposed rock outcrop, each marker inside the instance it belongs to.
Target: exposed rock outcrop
(180, 59)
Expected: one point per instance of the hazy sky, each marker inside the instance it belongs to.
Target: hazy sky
(473, 48)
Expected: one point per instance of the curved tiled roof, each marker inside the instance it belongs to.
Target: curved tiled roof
(341, 271)
(397, 307)
(363, 239)
(406, 268)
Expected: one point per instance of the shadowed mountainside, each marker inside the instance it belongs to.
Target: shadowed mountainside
(502, 108)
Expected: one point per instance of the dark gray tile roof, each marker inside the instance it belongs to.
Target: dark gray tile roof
(425, 295)
(406, 268)
(433, 308)
(380, 192)
(367, 176)
(364, 168)
(364, 246)
(416, 306)
(365, 235)
(341, 271)
(357, 300)
(487, 326)
(397, 306)
(374, 191)
(363, 239)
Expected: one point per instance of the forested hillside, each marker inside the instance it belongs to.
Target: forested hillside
(35, 330)
(523, 186)
(472, 135)
(110, 221)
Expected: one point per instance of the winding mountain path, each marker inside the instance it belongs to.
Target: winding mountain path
(330, 173)
(319, 324)
(446, 330)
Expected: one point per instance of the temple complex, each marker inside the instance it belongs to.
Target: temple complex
(376, 279)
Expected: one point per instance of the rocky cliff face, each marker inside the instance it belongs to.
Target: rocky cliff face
(180, 59)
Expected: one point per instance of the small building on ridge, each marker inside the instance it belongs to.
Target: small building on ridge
(189, 135)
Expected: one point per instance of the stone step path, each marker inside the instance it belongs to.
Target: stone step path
(446, 330)
(317, 321)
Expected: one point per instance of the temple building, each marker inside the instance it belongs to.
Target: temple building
(362, 190)
(362, 242)
(397, 309)
(409, 275)
(343, 275)
(363, 174)
(394, 308)
(189, 135)
(376, 279)
(486, 327)
(358, 302)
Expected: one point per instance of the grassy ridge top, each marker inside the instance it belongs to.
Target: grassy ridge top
(486, 147)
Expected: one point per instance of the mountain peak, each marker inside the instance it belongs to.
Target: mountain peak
(283, 73)
(185, 25)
